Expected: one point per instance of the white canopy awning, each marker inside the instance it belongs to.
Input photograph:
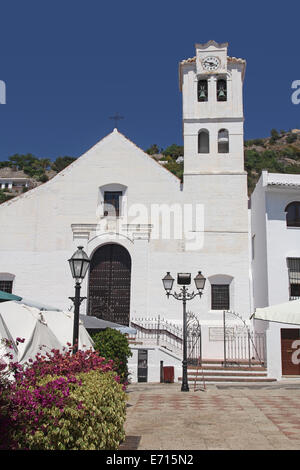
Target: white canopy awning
(4, 347)
(41, 329)
(288, 312)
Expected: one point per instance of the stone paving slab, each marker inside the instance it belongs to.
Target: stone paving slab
(161, 417)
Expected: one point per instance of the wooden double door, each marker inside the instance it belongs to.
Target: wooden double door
(290, 341)
(109, 284)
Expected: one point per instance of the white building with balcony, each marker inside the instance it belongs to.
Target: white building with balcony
(14, 184)
(275, 224)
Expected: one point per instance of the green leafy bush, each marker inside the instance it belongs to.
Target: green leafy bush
(43, 178)
(4, 197)
(61, 400)
(92, 418)
(259, 142)
(112, 344)
(174, 151)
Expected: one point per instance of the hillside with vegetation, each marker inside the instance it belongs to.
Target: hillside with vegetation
(38, 170)
(279, 153)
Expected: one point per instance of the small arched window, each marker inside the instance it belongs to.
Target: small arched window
(293, 214)
(221, 90)
(223, 141)
(202, 90)
(203, 141)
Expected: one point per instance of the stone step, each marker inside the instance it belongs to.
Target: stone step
(230, 361)
(233, 369)
(227, 374)
(228, 379)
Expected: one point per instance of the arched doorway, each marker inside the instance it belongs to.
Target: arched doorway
(109, 284)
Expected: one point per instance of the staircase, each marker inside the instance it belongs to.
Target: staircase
(214, 371)
(133, 340)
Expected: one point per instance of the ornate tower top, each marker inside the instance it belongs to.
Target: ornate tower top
(212, 97)
(210, 58)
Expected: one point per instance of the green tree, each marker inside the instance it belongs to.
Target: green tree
(45, 163)
(153, 150)
(274, 136)
(61, 163)
(23, 162)
(274, 133)
(174, 151)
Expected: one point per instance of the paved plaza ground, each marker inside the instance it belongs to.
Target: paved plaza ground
(161, 417)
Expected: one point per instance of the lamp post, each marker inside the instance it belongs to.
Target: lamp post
(79, 264)
(184, 279)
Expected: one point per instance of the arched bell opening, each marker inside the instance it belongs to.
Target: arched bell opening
(202, 90)
(221, 90)
(223, 141)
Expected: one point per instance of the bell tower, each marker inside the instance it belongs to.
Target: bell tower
(214, 180)
(212, 93)
(213, 129)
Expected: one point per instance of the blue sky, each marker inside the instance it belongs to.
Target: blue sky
(69, 65)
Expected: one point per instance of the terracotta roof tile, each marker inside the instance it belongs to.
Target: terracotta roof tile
(230, 59)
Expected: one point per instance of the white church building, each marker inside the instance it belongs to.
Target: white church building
(137, 221)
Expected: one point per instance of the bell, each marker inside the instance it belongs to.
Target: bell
(221, 94)
(202, 95)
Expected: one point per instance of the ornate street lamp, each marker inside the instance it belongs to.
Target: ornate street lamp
(168, 283)
(79, 264)
(184, 279)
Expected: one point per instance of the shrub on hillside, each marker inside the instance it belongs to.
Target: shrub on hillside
(291, 138)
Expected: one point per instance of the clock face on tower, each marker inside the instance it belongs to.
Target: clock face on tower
(211, 63)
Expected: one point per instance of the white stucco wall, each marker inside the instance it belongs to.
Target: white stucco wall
(259, 257)
(155, 356)
(274, 243)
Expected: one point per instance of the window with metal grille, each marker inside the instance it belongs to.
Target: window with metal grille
(220, 297)
(294, 277)
(6, 286)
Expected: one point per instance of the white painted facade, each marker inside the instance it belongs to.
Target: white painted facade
(156, 355)
(44, 226)
(273, 242)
